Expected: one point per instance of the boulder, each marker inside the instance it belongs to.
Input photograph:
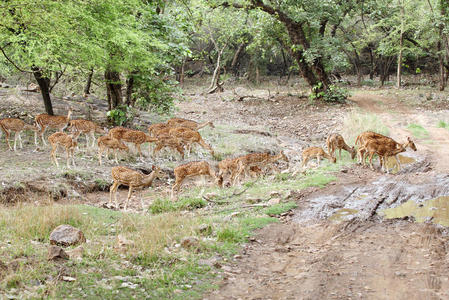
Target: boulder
(274, 201)
(76, 253)
(56, 253)
(66, 235)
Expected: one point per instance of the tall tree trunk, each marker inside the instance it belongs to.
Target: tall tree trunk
(235, 59)
(214, 84)
(44, 85)
(88, 82)
(442, 39)
(129, 89)
(401, 41)
(113, 88)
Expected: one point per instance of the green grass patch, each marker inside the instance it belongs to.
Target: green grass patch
(442, 124)
(418, 131)
(280, 208)
(162, 205)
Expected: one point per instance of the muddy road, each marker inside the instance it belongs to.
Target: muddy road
(366, 236)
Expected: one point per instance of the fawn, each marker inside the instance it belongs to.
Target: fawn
(315, 152)
(385, 148)
(195, 168)
(243, 164)
(335, 141)
(107, 143)
(190, 137)
(133, 179)
(44, 121)
(68, 141)
(87, 127)
(17, 126)
(180, 122)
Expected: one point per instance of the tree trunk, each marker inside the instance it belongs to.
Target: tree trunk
(181, 76)
(235, 59)
(88, 82)
(113, 88)
(214, 84)
(401, 41)
(129, 89)
(44, 85)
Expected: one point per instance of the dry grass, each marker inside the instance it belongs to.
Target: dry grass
(357, 122)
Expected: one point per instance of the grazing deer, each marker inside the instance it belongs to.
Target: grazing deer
(171, 142)
(133, 179)
(190, 137)
(107, 143)
(68, 141)
(385, 148)
(195, 168)
(86, 127)
(363, 138)
(17, 126)
(180, 122)
(335, 141)
(243, 164)
(155, 128)
(44, 121)
(136, 137)
(229, 166)
(315, 152)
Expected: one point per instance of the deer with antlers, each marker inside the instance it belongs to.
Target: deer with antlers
(133, 179)
(15, 125)
(68, 141)
(44, 121)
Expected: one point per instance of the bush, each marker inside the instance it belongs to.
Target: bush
(120, 115)
(333, 93)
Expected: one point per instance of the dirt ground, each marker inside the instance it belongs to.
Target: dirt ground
(337, 244)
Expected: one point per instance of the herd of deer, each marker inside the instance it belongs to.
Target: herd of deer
(181, 134)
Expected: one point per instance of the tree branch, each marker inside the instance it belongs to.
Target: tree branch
(17, 67)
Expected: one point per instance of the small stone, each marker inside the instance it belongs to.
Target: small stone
(189, 242)
(274, 201)
(56, 253)
(76, 253)
(66, 235)
(68, 278)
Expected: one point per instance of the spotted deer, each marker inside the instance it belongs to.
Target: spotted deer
(385, 148)
(315, 152)
(170, 142)
(191, 169)
(180, 122)
(243, 164)
(153, 129)
(133, 179)
(68, 141)
(363, 138)
(15, 125)
(229, 166)
(107, 143)
(136, 137)
(190, 137)
(44, 121)
(86, 127)
(335, 141)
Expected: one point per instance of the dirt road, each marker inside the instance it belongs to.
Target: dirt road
(338, 246)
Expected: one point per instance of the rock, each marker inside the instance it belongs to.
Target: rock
(274, 201)
(66, 235)
(68, 278)
(190, 242)
(76, 253)
(275, 194)
(344, 170)
(205, 229)
(56, 253)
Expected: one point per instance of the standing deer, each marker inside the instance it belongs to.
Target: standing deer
(44, 121)
(68, 141)
(335, 141)
(9, 125)
(133, 179)
(86, 127)
(107, 143)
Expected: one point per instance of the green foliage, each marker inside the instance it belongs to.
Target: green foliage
(442, 124)
(121, 115)
(165, 205)
(333, 94)
(231, 235)
(155, 94)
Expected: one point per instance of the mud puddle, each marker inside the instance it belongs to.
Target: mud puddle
(403, 160)
(434, 210)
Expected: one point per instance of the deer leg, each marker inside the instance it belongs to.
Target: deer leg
(239, 173)
(180, 150)
(115, 156)
(42, 136)
(206, 146)
(371, 160)
(92, 135)
(15, 141)
(175, 189)
(99, 154)
(130, 190)
(72, 153)
(67, 151)
(139, 151)
(7, 135)
(35, 138)
(304, 162)
(112, 190)
(53, 154)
